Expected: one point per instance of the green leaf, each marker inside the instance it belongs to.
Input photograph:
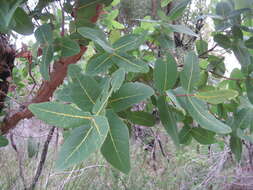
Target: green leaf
(82, 142)
(243, 56)
(165, 74)
(199, 112)
(68, 47)
(47, 56)
(99, 63)
(223, 40)
(244, 118)
(64, 94)
(202, 46)
(116, 146)
(236, 147)
(203, 136)
(84, 89)
(44, 34)
(165, 3)
(185, 135)
(7, 10)
(130, 94)
(249, 43)
(223, 8)
(180, 29)
(178, 10)
(102, 101)
(117, 80)
(128, 42)
(130, 63)
(141, 118)
(23, 24)
(217, 96)
(97, 36)
(249, 89)
(60, 115)
(168, 120)
(191, 73)
(243, 136)
(3, 141)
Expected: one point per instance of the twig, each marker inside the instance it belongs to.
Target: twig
(236, 79)
(208, 51)
(42, 159)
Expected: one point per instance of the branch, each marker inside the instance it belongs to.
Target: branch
(45, 92)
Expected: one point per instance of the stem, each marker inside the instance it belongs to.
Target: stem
(184, 95)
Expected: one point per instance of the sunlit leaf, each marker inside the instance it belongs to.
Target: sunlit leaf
(60, 115)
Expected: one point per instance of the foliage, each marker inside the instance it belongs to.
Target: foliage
(95, 105)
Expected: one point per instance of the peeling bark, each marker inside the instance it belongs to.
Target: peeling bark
(45, 92)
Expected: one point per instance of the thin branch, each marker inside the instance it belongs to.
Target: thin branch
(208, 51)
(227, 78)
(42, 159)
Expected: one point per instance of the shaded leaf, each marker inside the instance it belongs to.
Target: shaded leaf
(185, 135)
(117, 80)
(202, 46)
(191, 73)
(23, 24)
(116, 146)
(128, 42)
(47, 57)
(236, 147)
(223, 40)
(178, 10)
(168, 120)
(199, 112)
(99, 63)
(130, 94)
(97, 36)
(141, 118)
(249, 89)
(82, 142)
(44, 34)
(130, 63)
(165, 74)
(68, 47)
(203, 136)
(3, 141)
(84, 89)
(249, 43)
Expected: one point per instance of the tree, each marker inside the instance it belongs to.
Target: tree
(94, 104)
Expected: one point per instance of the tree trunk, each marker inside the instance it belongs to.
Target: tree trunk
(7, 56)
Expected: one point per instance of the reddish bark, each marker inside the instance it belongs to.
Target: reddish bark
(46, 90)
